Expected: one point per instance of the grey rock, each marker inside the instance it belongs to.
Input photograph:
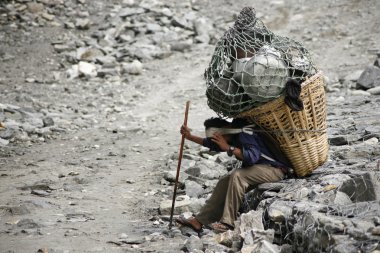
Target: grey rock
(247, 221)
(180, 46)
(153, 27)
(35, 7)
(193, 243)
(353, 76)
(342, 199)
(345, 248)
(262, 246)
(79, 217)
(7, 133)
(34, 120)
(376, 220)
(193, 189)
(339, 140)
(28, 223)
(15, 210)
(59, 48)
(170, 176)
(40, 193)
(48, 121)
(106, 61)
(69, 25)
(359, 188)
(207, 170)
(196, 204)
(334, 179)
(202, 27)
(103, 72)
(182, 204)
(376, 231)
(83, 23)
(89, 54)
(227, 238)
(127, 12)
(280, 211)
(182, 22)
(286, 248)
(256, 235)
(369, 78)
(302, 207)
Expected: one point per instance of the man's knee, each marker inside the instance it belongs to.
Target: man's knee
(237, 176)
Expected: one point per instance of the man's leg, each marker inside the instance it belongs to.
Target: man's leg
(239, 181)
(213, 209)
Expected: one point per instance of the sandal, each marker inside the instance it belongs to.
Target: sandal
(185, 222)
(220, 227)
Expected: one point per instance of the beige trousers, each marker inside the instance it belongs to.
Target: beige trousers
(225, 200)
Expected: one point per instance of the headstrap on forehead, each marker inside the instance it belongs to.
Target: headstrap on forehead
(212, 130)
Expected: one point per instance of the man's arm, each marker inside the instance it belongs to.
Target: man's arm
(224, 146)
(186, 132)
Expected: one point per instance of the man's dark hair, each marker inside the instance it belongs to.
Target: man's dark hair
(239, 123)
(216, 122)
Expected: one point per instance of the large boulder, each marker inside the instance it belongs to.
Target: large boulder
(369, 78)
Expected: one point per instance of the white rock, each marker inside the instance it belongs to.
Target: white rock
(87, 69)
(342, 198)
(360, 93)
(129, 2)
(134, 68)
(252, 219)
(73, 72)
(374, 91)
(3, 142)
(373, 141)
(301, 193)
(47, 16)
(353, 76)
(226, 238)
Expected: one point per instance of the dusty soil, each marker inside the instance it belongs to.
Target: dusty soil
(104, 172)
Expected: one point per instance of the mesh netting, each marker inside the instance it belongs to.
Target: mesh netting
(251, 65)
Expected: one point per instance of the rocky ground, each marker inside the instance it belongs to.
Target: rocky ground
(93, 95)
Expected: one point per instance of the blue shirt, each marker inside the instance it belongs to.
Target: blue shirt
(252, 147)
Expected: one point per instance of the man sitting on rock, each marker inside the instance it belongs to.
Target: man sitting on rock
(259, 165)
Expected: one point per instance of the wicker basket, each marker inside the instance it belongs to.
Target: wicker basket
(301, 135)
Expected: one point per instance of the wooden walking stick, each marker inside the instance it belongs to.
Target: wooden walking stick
(179, 165)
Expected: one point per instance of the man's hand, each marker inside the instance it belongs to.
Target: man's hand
(185, 131)
(220, 141)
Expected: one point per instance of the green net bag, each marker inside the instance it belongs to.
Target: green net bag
(251, 65)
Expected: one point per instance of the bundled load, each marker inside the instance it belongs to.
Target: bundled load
(251, 65)
(271, 81)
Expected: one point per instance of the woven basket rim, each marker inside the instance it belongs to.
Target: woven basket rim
(280, 99)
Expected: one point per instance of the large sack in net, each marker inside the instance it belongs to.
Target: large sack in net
(226, 96)
(296, 57)
(264, 75)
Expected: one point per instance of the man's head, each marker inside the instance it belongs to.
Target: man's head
(222, 126)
